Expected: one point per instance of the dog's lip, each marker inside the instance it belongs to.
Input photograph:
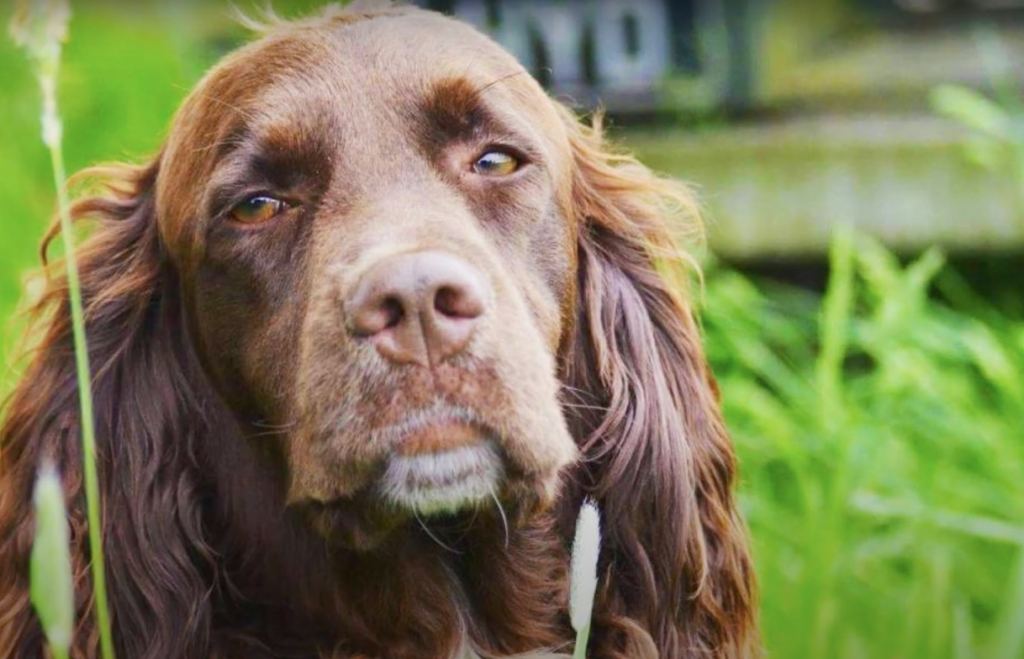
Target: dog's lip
(432, 429)
(438, 437)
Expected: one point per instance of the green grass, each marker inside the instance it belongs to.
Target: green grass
(879, 429)
(882, 457)
(41, 29)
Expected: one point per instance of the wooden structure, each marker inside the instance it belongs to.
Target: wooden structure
(833, 95)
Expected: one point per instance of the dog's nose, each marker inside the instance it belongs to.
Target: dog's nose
(420, 307)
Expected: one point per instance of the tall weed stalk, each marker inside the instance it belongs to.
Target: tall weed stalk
(40, 26)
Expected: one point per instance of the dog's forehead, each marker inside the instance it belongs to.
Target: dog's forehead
(307, 72)
(352, 88)
(386, 62)
(416, 43)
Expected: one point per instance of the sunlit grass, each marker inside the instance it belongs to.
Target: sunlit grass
(40, 27)
(882, 453)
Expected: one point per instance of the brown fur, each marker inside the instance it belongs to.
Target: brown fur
(240, 425)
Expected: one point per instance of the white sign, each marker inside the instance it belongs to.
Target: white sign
(632, 46)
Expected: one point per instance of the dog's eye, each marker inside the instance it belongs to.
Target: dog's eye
(496, 163)
(257, 209)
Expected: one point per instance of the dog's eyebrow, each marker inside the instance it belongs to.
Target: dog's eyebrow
(279, 157)
(453, 109)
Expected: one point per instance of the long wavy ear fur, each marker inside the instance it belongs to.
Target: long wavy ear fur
(676, 576)
(148, 417)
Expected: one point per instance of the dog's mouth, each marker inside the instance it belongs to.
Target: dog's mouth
(441, 463)
(440, 460)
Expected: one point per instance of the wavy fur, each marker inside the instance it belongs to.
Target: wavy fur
(677, 578)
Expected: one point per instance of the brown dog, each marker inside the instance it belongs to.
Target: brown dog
(365, 332)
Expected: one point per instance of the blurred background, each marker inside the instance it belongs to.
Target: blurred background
(862, 167)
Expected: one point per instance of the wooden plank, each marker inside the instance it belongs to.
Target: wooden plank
(777, 190)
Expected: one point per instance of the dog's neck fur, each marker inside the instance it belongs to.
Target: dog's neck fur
(475, 584)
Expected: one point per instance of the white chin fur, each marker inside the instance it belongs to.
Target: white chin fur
(442, 482)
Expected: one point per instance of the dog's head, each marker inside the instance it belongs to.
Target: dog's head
(375, 228)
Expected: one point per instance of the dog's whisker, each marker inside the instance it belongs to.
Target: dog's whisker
(277, 426)
(426, 529)
(271, 429)
(581, 406)
(501, 512)
(267, 433)
(503, 78)
(581, 396)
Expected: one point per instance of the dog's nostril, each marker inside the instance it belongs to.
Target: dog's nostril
(458, 302)
(392, 312)
(372, 316)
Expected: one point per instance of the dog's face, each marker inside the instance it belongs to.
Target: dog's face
(377, 250)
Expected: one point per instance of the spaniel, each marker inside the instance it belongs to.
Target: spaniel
(365, 332)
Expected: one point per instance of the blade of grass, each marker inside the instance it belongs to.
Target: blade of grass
(40, 26)
(1010, 628)
(52, 591)
(92, 493)
(963, 636)
(975, 526)
(835, 316)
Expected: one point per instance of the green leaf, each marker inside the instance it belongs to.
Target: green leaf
(972, 109)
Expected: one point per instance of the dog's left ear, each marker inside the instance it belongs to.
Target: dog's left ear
(676, 577)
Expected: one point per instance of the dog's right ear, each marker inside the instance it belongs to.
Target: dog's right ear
(144, 386)
(677, 579)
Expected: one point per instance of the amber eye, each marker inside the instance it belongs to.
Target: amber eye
(257, 209)
(496, 163)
